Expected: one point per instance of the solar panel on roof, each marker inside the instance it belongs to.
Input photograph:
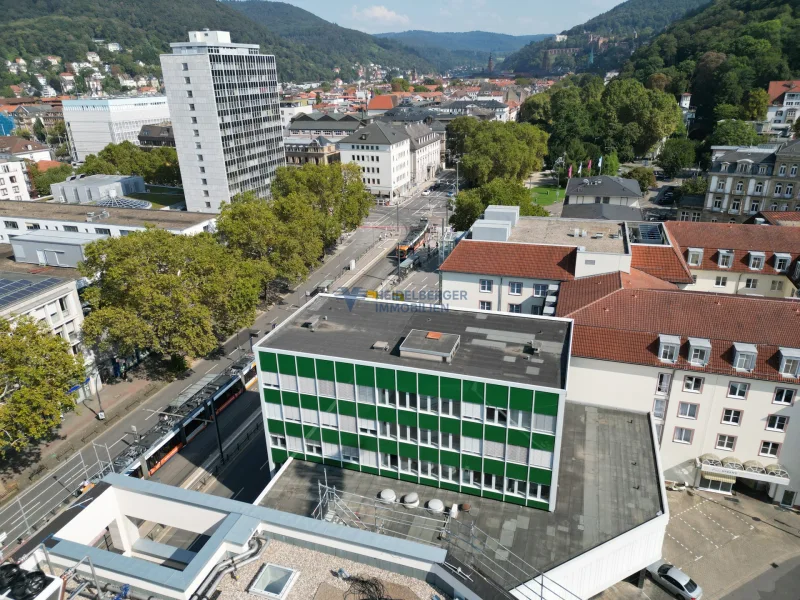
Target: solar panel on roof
(15, 290)
(650, 233)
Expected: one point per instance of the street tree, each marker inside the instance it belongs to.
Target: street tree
(158, 166)
(43, 180)
(468, 209)
(644, 176)
(39, 131)
(676, 155)
(36, 372)
(610, 164)
(174, 295)
(755, 105)
(733, 133)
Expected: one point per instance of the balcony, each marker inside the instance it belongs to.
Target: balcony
(733, 211)
(716, 209)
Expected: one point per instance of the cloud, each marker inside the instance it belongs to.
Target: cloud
(379, 14)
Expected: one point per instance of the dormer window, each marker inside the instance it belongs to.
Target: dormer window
(695, 257)
(757, 260)
(699, 351)
(762, 169)
(668, 346)
(782, 261)
(725, 259)
(744, 356)
(790, 362)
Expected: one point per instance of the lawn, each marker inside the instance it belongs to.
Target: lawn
(159, 196)
(547, 194)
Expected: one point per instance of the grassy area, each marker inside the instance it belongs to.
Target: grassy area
(547, 194)
(159, 199)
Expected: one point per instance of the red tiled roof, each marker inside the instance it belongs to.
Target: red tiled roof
(742, 239)
(777, 89)
(783, 217)
(579, 293)
(44, 165)
(664, 262)
(382, 103)
(624, 326)
(513, 260)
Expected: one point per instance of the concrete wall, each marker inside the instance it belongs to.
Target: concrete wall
(49, 253)
(83, 191)
(96, 227)
(462, 290)
(599, 263)
(706, 282)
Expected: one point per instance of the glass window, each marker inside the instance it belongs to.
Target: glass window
(486, 285)
(721, 282)
(777, 422)
(483, 305)
(668, 352)
(519, 418)
(725, 442)
(539, 290)
(497, 416)
(472, 411)
(515, 288)
(683, 435)
(662, 383)
(745, 361)
(783, 396)
(687, 410)
(769, 449)
(545, 423)
(541, 458)
(515, 308)
(518, 454)
(731, 416)
(693, 384)
(790, 366)
(494, 449)
(737, 389)
(277, 441)
(695, 256)
(659, 408)
(471, 445)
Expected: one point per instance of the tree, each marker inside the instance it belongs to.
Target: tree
(23, 132)
(727, 111)
(400, 85)
(522, 81)
(796, 128)
(733, 133)
(610, 164)
(43, 180)
(536, 110)
(470, 204)
(644, 176)
(755, 105)
(159, 165)
(39, 130)
(420, 88)
(695, 186)
(174, 295)
(36, 370)
(676, 155)
(468, 209)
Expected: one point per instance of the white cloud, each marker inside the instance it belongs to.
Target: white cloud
(379, 14)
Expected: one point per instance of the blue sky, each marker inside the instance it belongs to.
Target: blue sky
(515, 17)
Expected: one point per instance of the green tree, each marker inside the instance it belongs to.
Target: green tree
(400, 85)
(733, 133)
(158, 166)
(420, 88)
(610, 164)
(536, 110)
(174, 295)
(522, 81)
(468, 209)
(6, 91)
(755, 105)
(470, 204)
(43, 180)
(796, 128)
(23, 132)
(644, 176)
(727, 111)
(36, 370)
(39, 131)
(676, 155)
(695, 186)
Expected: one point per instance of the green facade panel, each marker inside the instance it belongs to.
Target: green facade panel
(384, 379)
(311, 432)
(519, 438)
(271, 395)
(521, 399)
(429, 454)
(305, 367)
(297, 455)
(542, 441)
(325, 370)
(279, 455)
(448, 425)
(450, 388)
(515, 471)
(542, 476)
(495, 467)
(546, 403)
(347, 408)
(428, 385)
(408, 477)
(430, 482)
(472, 429)
(345, 373)
(497, 395)
(388, 446)
(332, 462)
(269, 362)
(365, 375)
(538, 504)
(293, 429)
(406, 417)
(310, 402)
(312, 458)
(409, 450)
(493, 433)
(327, 405)
(286, 365)
(407, 382)
(350, 466)
(469, 461)
(348, 439)
(368, 443)
(514, 500)
(386, 414)
(276, 426)
(428, 422)
(291, 398)
(465, 489)
(473, 392)
(389, 474)
(330, 435)
(449, 458)
(367, 411)
(492, 495)
(446, 485)
(370, 470)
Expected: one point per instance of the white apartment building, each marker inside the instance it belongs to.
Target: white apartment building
(603, 189)
(93, 124)
(784, 103)
(290, 108)
(728, 258)
(55, 302)
(12, 180)
(384, 154)
(224, 107)
(425, 152)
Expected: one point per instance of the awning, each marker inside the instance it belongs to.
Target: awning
(754, 467)
(718, 477)
(777, 470)
(710, 459)
(731, 462)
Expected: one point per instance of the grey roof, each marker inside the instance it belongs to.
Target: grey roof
(790, 149)
(306, 141)
(376, 133)
(408, 114)
(462, 104)
(603, 185)
(98, 179)
(609, 212)
(608, 484)
(493, 345)
(57, 237)
(754, 154)
(691, 201)
(417, 131)
(18, 287)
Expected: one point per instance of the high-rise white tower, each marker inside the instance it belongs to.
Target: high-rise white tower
(223, 100)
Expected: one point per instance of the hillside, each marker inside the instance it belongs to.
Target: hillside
(627, 25)
(343, 47)
(473, 41)
(721, 53)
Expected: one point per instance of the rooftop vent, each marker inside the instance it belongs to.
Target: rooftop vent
(434, 335)
(379, 345)
(430, 345)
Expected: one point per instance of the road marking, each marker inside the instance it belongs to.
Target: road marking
(698, 558)
(236, 494)
(698, 532)
(153, 414)
(209, 368)
(266, 462)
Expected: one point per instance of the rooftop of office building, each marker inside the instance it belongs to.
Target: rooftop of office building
(19, 287)
(608, 485)
(599, 236)
(513, 348)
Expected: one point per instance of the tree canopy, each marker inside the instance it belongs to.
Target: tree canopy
(733, 133)
(157, 166)
(676, 155)
(36, 370)
(43, 180)
(470, 204)
(644, 176)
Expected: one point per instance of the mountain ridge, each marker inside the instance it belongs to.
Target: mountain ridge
(476, 40)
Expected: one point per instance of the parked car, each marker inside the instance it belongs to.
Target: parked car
(675, 581)
(426, 192)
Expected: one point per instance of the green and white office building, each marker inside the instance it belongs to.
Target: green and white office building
(457, 399)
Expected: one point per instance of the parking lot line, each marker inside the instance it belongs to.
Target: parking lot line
(698, 532)
(733, 535)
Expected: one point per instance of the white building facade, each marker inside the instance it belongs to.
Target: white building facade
(225, 113)
(425, 152)
(12, 181)
(92, 124)
(383, 153)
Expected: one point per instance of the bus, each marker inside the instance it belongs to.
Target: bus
(416, 238)
(185, 417)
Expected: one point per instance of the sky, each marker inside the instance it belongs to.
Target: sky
(516, 17)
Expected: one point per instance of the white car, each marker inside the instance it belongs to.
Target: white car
(426, 192)
(675, 581)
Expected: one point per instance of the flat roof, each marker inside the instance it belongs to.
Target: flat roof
(57, 237)
(19, 287)
(8, 264)
(77, 213)
(492, 345)
(608, 484)
(98, 179)
(561, 232)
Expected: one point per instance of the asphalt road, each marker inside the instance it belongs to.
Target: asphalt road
(41, 501)
(779, 583)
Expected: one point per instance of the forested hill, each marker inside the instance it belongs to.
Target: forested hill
(627, 25)
(343, 47)
(478, 41)
(33, 28)
(722, 53)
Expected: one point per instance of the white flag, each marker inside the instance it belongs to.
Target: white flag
(600, 163)
(580, 168)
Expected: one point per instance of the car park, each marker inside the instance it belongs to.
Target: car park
(675, 581)
(426, 192)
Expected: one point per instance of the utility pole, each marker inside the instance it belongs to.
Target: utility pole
(397, 247)
(458, 160)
